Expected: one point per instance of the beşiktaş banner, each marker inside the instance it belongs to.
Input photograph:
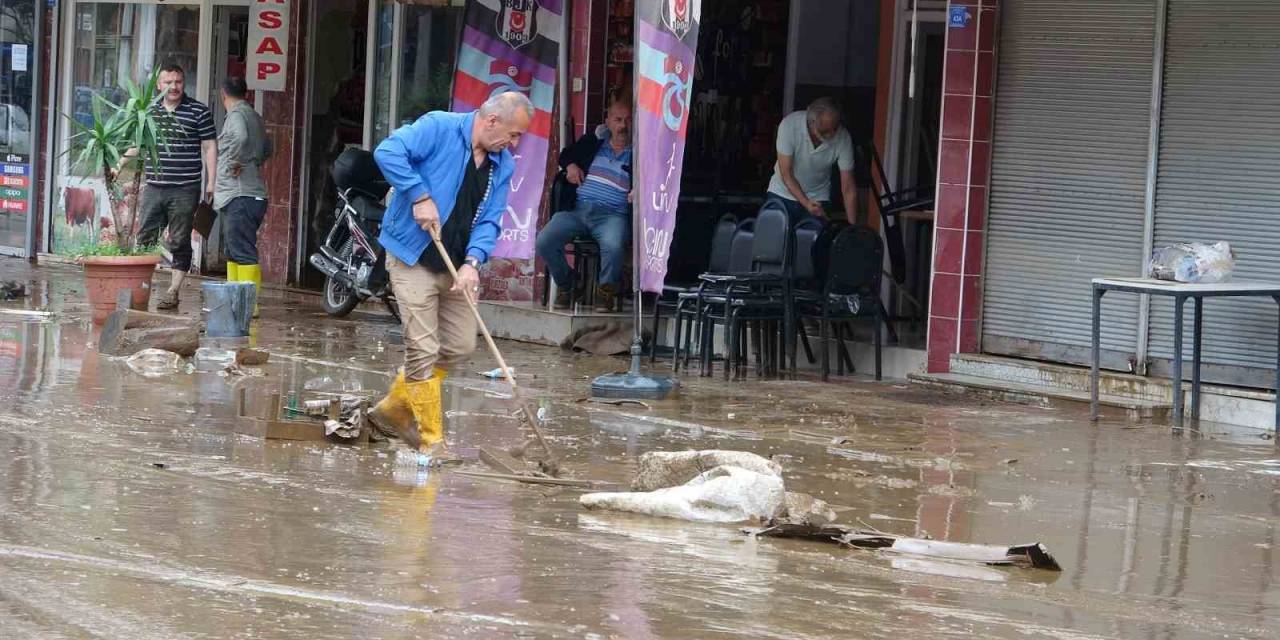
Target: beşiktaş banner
(513, 45)
(666, 43)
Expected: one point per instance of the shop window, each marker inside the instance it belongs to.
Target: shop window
(417, 46)
(115, 41)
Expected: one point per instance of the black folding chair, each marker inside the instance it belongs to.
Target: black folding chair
(718, 262)
(851, 279)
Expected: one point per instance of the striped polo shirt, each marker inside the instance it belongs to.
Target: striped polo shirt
(609, 180)
(180, 163)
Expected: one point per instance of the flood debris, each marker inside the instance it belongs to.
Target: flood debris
(12, 290)
(726, 493)
(1033, 555)
(345, 426)
(154, 363)
(128, 331)
(250, 357)
(662, 469)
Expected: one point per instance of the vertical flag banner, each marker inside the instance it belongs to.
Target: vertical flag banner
(513, 45)
(666, 44)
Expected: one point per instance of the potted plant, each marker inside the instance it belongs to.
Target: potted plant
(116, 143)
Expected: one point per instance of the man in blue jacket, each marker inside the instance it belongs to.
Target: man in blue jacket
(451, 173)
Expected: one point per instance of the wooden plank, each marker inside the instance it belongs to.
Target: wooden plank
(503, 462)
(560, 482)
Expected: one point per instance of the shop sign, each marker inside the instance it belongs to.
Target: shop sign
(268, 45)
(14, 181)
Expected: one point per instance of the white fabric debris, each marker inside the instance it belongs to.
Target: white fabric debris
(726, 493)
(662, 469)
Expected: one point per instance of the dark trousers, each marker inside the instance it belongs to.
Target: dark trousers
(173, 208)
(242, 217)
(795, 210)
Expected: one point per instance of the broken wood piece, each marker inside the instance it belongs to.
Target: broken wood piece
(127, 331)
(1034, 555)
(502, 462)
(560, 482)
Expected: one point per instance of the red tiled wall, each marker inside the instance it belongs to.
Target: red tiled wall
(283, 115)
(963, 179)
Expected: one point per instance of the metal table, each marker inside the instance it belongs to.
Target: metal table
(1180, 292)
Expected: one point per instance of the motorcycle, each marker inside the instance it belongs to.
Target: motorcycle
(352, 260)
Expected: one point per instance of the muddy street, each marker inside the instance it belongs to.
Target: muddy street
(129, 507)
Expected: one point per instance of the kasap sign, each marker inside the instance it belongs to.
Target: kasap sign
(268, 45)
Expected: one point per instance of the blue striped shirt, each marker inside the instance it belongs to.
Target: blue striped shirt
(609, 180)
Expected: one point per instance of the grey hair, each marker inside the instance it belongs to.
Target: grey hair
(822, 107)
(505, 104)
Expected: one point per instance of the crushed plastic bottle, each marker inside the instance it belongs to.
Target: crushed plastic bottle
(411, 468)
(213, 359)
(154, 363)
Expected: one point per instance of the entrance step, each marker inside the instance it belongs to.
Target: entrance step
(1121, 394)
(526, 322)
(1112, 406)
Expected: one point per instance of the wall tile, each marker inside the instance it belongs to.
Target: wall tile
(957, 114)
(944, 296)
(948, 251)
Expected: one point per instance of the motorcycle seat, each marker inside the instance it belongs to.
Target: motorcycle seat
(368, 209)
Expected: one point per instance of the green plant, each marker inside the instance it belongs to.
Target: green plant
(121, 141)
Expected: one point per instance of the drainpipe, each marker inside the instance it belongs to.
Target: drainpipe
(1153, 165)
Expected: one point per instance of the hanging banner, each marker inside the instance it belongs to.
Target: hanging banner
(513, 45)
(666, 44)
(268, 45)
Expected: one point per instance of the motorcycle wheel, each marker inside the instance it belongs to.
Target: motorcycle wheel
(339, 299)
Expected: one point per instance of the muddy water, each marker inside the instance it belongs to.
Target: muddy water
(128, 508)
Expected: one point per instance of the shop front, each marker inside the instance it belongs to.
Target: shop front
(20, 31)
(1119, 126)
(331, 74)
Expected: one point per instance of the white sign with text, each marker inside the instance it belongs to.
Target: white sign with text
(268, 45)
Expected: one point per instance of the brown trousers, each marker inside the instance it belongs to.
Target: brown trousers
(439, 328)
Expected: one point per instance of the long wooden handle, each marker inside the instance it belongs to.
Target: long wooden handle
(532, 418)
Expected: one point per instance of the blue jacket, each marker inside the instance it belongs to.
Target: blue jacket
(429, 157)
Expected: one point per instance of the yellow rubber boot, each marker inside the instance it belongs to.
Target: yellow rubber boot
(393, 413)
(425, 400)
(233, 271)
(252, 273)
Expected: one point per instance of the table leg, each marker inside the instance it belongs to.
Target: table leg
(1096, 360)
(1277, 425)
(1177, 361)
(1195, 359)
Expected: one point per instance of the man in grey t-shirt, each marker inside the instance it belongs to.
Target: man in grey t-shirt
(239, 192)
(809, 143)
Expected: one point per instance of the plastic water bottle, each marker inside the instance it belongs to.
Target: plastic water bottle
(412, 468)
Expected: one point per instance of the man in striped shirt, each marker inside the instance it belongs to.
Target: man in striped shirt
(599, 166)
(172, 193)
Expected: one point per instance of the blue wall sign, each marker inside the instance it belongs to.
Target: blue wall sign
(959, 17)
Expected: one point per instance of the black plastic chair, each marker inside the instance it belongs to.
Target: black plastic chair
(891, 203)
(804, 277)
(757, 299)
(718, 262)
(850, 292)
(689, 303)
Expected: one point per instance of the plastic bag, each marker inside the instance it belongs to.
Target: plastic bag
(154, 363)
(1193, 262)
(723, 494)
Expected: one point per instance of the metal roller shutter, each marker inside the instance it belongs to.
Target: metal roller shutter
(1068, 174)
(1219, 172)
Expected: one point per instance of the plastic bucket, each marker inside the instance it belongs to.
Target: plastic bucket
(228, 308)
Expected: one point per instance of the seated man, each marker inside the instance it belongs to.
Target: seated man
(810, 142)
(599, 166)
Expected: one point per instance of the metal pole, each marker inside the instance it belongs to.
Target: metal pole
(637, 225)
(1149, 198)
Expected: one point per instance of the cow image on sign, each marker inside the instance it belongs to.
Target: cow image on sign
(268, 45)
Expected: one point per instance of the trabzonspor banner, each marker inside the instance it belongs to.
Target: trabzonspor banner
(666, 44)
(513, 45)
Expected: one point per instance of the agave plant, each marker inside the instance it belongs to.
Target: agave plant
(122, 140)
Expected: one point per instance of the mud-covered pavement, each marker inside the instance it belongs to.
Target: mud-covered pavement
(129, 509)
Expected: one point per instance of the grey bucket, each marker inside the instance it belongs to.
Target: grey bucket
(229, 308)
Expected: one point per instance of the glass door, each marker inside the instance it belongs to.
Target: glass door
(18, 32)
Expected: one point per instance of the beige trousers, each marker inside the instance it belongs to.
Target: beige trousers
(439, 328)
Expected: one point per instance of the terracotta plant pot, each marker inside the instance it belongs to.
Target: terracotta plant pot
(106, 276)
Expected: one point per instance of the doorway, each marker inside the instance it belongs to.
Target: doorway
(336, 82)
